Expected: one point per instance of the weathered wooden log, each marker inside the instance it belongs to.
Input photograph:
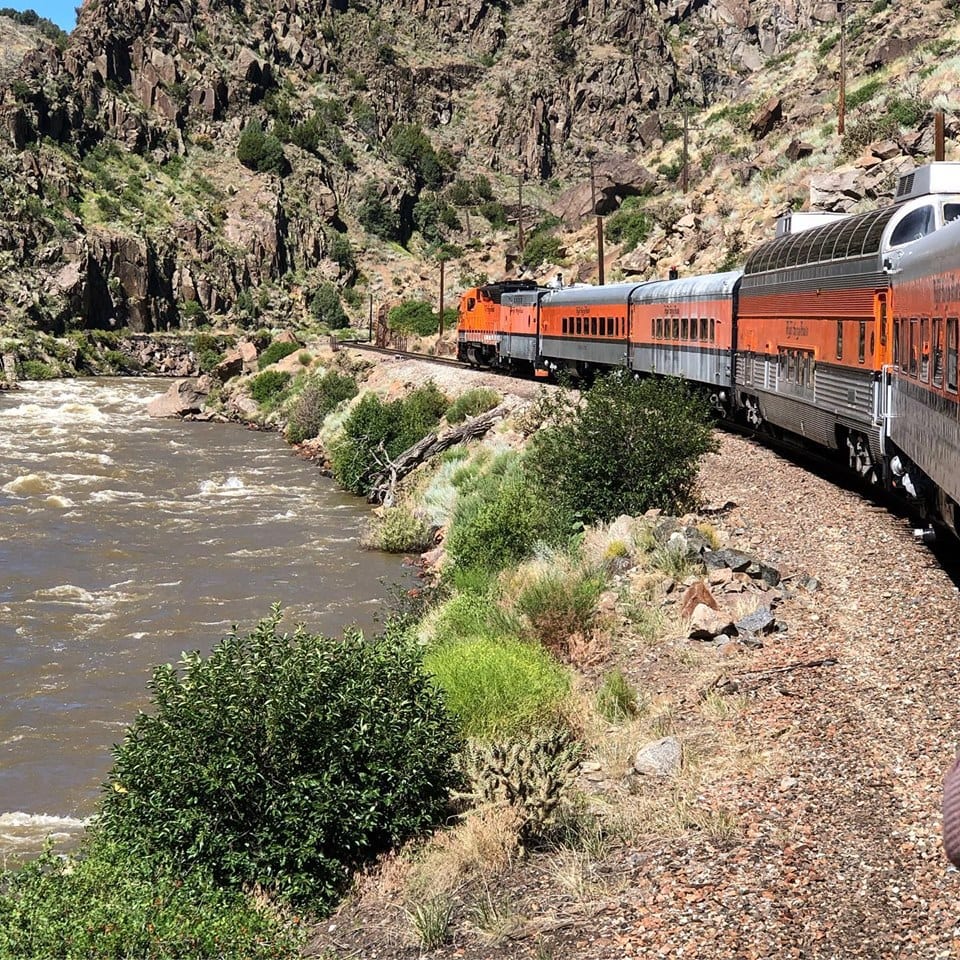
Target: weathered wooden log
(384, 483)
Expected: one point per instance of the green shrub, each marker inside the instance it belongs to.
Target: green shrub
(541, 248)
(412, 147)
(629, 225)
(37, 370)
(376, 432)
(494, 212)
(326, 307)
(864, 93)
(560, 604)
(319, 397)
(266, 387)
(472, 403)
(399, 531)
(616, 698)
(260, 151)
(121, 362)
(376, 216)
(650, 460)
(276, 351)
(498, 521)
(208, 360)
(907, 111)
(413, 316)
(103, 904)
(498, 686)
(283, 760)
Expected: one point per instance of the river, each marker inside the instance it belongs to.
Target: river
(125, 541)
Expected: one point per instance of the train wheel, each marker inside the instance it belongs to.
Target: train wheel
(752, 411)
(859, 456)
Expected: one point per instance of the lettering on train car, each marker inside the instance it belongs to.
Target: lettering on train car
(797, 330)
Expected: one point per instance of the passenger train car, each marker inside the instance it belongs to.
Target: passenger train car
(843, 335)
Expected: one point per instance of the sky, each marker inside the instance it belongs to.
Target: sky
(61, 12)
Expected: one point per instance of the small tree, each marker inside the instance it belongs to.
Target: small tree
(413, 316)
(260, 151)
(625, 447)
(283, 760)
(326, 307)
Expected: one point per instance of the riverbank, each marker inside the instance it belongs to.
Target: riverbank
(804, 819)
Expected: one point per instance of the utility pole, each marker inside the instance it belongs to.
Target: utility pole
(370, 333)
(684, 175)
(593, 203)
(520, 210)
(938, 136)
(842, 104)
(442, 262)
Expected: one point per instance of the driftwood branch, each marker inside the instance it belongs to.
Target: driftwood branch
(383, 484)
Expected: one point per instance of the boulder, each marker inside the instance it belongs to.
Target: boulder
(797, 149)
(695, 595)
(768, 116)
(614, 180)
(661, 758)
(761, 621)
(183, 397)
(836, 191)
(706, 623)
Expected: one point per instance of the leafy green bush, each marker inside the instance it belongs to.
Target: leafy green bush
(104, 904)
(412, 147)
(376, 216)
(319, 397)
(325, 305)
(37, 370)
(541, 248)
(121, 362)
(472, 403)
(498, 521)
(260, 151)
(497, 686)
(283, 760)
(494, 212)
(413, 316)
(266, 387)
(276, 351)
(863, 93)
(376, 432)
(629, 225)
(398, 531)
(650, 459)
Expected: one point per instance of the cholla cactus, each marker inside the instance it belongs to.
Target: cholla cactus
(530, 774)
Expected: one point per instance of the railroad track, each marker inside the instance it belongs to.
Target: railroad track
(404, 354)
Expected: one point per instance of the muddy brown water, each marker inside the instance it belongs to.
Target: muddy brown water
(125, 541)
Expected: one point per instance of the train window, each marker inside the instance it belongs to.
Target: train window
(862, 342)
(883, 319)
(593, 326)
(693, 328)
(925, 350)
(676, 328)
(658, 328)
(471, 302)
(952, 354)
(900, 344)
(579, 325)
(713, 330)
(563, 325)
(938, 353)
(684, 328)
(839, 339)
(951, 211)
(704, 328)
(914, 348)
(916, 224)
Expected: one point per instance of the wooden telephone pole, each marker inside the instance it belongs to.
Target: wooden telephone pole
(593, 203)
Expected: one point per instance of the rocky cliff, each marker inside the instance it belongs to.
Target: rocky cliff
(229, 160)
